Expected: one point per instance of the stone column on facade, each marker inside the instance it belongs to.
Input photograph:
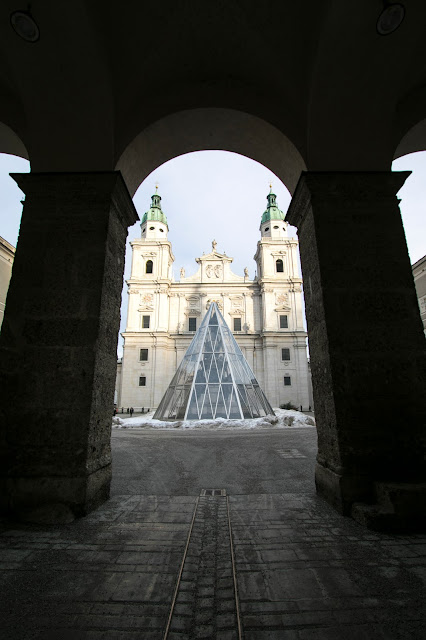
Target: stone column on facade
(58, 344)
(245, 317)
(270, 368)
(132, 314)
(155, 320)
(181, 318)
(268, 301)
(366, 344)
(301, 373)
(264, 316)
(153, 371)
(163, 308)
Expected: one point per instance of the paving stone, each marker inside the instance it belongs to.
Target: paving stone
(204, 631)
(204, 616)
(210, 551)
(205, 603)
(182, 609)
(225, 606)
(181, 623)
(226, 620)
(144, 586)
(312, 576)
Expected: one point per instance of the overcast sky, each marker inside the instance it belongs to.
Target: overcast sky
(218, 195)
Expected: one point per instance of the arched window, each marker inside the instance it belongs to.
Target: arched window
(149, 266)
(280, 266)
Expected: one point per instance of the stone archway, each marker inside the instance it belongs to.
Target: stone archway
(58, 348)
(61, 465)
(207, 129)
(11, 143)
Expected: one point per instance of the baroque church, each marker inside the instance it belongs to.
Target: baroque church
(265, 315)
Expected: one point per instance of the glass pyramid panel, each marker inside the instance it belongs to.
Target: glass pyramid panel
(213, 334)
(220, 407)
(234, 409)
(201, 373)
(214, 379)
(214, 374)
(208, 347)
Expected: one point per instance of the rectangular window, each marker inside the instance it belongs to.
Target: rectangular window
(145, 322)
(192, 324)
(142, 381)
(143, 355)
(237, 324)
(285, 354)
(287, 381)
(283, 322)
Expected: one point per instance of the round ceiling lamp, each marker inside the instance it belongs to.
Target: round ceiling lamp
(25, 26)
(391, 18)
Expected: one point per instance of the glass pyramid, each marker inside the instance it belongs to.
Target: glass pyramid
(214, 379)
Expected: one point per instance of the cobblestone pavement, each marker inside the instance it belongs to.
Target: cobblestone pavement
(143, 566)
(206, 604)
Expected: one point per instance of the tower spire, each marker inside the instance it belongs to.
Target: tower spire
(272, 211)
(155, 212)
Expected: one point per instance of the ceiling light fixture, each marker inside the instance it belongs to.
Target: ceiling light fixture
(391, 18)
(25, 26)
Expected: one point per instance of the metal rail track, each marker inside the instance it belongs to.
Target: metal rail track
(208, 494)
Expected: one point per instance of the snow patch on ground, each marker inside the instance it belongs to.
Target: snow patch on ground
(283, 418)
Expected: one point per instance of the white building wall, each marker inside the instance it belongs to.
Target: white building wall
(258, 302)
(7, 255)
(419, 274)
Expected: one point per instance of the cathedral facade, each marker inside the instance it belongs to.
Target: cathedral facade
(264, 314)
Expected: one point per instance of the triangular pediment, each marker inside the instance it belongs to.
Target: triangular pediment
(214, 256)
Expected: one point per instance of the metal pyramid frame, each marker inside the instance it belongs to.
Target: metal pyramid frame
(214, 379)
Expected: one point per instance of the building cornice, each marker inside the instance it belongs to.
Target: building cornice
(7, 249)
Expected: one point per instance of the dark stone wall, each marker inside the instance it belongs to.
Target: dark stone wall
(368, 351)
(58, 342)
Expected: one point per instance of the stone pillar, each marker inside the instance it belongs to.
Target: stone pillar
(367, 346)
(58, 344)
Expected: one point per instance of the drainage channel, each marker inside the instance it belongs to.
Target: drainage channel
(205, 601)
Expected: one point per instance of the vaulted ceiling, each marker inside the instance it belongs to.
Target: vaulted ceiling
(104, 75)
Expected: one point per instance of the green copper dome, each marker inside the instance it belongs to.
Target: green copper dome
(272, 212)
(155, 213)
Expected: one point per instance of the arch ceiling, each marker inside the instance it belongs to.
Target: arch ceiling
(103, 74)
(11, 143)
(203, 129)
